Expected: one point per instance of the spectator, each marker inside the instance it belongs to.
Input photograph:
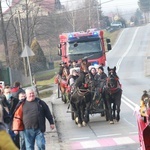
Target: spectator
(6, 142)
(93, 73)
(16, 89)
(73, 76)
(9, 104)
(22, 97)
(74, 64)
(33, 112)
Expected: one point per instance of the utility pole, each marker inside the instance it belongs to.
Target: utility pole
(27, 22)
(89, 13)
(4, 36)
(98, 15)
(22, 43)
(99, 11)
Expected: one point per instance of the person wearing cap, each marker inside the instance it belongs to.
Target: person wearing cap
(100, 77)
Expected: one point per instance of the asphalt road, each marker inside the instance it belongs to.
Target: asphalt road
(128, 55)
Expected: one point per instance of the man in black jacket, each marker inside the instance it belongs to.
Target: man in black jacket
(9, 104)
(34, 113)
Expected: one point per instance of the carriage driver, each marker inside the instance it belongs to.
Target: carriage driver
(100, 78)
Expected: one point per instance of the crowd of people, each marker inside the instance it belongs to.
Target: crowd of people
(22, 119)
(97, 73)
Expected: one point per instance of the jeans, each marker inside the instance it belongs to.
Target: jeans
(22, 140)
(32, 135)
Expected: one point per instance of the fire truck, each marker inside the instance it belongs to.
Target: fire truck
(79, 45)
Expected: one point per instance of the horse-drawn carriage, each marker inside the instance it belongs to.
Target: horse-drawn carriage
(86, 99)
(143, 121)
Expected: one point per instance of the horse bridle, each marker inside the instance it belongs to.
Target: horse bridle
(111, 88)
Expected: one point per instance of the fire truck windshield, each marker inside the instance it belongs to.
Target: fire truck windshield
(83, 47)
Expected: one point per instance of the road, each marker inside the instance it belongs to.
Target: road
(128, 55)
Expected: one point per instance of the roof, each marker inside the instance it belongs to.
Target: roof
(48, 5)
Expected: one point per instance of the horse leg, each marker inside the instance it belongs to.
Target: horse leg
(114, 110)
(118, 112)
(110, 112)
(118, 103)
(82, 109)
(79, 119)
(87, 119)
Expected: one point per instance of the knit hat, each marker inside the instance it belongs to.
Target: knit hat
(101, 68)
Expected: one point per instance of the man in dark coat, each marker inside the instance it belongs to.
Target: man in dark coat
(100, 78)
(9, 104)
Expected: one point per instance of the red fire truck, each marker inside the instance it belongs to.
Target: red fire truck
(79, 45)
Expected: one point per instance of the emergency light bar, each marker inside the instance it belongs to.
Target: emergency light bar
(79, 35)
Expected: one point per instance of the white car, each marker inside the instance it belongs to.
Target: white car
(116, 24)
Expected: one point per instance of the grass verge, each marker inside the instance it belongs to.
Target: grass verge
(45, 94)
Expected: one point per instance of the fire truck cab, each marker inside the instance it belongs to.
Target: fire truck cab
(79, 45)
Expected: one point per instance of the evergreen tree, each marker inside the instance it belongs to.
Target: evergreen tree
(38, 61)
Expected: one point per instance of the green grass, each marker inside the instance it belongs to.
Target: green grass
(112, 35)
(45, 94)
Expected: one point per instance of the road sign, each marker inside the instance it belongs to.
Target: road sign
(27, 52)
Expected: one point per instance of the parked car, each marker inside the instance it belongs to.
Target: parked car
(116, 24)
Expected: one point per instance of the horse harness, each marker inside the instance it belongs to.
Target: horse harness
(113, 90)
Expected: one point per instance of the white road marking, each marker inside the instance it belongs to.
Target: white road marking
(109, 135)
(90, 144)
(123, 140)
(81, 138)
(133, 133)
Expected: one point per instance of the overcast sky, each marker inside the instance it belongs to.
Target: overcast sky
(111, 5)
(119, 4)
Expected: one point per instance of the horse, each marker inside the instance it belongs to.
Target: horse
(62, 81)
(112, 95)
(80, 99)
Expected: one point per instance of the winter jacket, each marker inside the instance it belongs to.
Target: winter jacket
(8, 108)
(6, 142)
(44, 112)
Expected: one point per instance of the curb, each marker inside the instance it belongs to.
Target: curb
(51, 136)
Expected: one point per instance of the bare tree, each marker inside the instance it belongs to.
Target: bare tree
(4, 35)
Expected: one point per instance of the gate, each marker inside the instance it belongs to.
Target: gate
(4, 75)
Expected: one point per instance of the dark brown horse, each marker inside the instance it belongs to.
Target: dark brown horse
(81, 97)
(112, 95)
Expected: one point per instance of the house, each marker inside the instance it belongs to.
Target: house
(39, 7)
